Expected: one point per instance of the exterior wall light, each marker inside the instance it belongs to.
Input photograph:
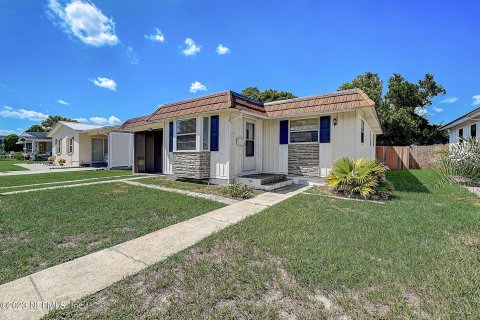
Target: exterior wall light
(335, 121)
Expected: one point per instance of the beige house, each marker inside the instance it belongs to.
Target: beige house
(91, 145)
(224, 136)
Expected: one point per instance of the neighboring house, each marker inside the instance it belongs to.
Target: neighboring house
(91, 145)
(464, 127)
(225, 135)
(35, 144)
(1, 140)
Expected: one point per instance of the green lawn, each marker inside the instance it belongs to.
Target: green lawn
(417, 256)
(9, 165)
(189, 186)
(37, 178)
(43, 185)
(44, 228)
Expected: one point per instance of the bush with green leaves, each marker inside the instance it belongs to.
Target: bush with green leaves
(461, 164)
(18, 155)
(238, 191)
(360, 177)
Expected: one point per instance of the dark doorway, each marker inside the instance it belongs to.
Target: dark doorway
(148, 151)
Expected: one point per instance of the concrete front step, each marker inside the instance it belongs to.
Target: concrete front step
(263, 181)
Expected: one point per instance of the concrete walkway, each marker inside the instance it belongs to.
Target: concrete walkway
(72, 185)
(60, 182)
(46, 170)
(32, 296)
(188, 193)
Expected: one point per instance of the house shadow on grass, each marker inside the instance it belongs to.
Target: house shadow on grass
(406, 181)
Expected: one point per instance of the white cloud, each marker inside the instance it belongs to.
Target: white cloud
(192, 47)
(105, 83)
(7, 132)
(82, 120)
(197, 86)
(132, 55)
(437, 109)
(476, 100)
(23, 114)
(112, 120)
(449, 100)
(157, 36)
(221, 49)
(85, 21)
(421, 112)
(63, 102)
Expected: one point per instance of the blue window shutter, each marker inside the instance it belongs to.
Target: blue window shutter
(170, 137)
(284, 132)
(325, 129)
(214, 123)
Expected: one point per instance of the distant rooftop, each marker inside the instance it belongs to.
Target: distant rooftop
(80, 126)
(34, 135)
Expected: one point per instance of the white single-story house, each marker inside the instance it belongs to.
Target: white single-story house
(37, 145)
(464, 127)
(226, 135)
(91, 145)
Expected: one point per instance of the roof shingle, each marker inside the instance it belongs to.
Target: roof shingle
(337, 101)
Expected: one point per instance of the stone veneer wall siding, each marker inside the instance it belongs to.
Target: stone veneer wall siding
(304, 159)
(193, 165)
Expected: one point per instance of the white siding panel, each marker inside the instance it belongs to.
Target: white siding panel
(120, 146)
(219, 159)
(275, 155)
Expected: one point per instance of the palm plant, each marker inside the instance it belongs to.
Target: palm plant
(359, 177)
(461, 163)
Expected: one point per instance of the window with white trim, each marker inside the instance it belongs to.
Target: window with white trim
(70, 145)
(58, 143)
(249, 139)
(305, 130)
(186, 130)
(206, 131)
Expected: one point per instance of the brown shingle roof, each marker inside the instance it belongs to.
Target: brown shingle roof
(135, 122)
(337, 101)
(340, 100)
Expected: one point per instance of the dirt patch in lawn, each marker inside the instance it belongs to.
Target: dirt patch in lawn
(69, 242)
(116, 190)
(23, 238)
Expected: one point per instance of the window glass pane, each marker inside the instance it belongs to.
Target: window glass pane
(304, 125)
(304, 136)
(249, 148)
(250, 131)
(105, 146)
(473, 130)
(186, 142)
(187, 126)
(205, 133)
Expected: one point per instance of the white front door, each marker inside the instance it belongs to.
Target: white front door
(249, 162)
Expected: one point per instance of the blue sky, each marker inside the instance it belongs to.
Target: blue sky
(106, 61)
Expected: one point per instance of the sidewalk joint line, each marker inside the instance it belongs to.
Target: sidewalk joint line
(36, 288)
(126, 255)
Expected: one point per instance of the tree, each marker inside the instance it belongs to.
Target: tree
(268, 95)
(35, 128)
(370, 83)
(400, 109)
(10, 143)
(51, 121)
